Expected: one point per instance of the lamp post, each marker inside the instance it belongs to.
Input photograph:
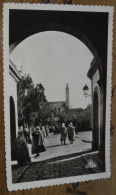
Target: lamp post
(86, 91)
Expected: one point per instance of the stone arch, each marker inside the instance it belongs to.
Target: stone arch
(34, 29)
(12, 126)
(96, 118)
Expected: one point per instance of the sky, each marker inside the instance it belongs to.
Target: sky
(54, 59)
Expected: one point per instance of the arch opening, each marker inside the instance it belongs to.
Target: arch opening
(56, 56)
(12, 127)
(95, 121)
(60, 28)
(84, 39)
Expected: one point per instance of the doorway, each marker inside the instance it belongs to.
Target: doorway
(95, 121)
(12, 127)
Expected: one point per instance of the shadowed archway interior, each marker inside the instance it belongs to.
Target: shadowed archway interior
(61, 28)
(95, 121)
(12, 126)
(86, 26)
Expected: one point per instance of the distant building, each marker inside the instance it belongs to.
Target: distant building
(74, 111)
(84, 122)
(67, 96)
(60, 106)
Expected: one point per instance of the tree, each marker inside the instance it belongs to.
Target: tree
(30, 101)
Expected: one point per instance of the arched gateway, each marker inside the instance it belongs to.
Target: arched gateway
(23, 29)
(61, 28)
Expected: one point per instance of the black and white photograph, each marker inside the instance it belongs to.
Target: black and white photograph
(57, 93)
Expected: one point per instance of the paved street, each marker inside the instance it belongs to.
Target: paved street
(55, 149)
(57, 169)
(59, 160)
(46, 170)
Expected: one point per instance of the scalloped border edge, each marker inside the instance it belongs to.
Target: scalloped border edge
(67, 180)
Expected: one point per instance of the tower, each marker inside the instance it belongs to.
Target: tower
(67, 96)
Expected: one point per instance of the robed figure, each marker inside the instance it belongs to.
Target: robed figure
(71, 133)
(63, 134)
(38, 143)
(21, 149)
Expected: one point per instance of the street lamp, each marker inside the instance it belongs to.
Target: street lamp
(86, 91)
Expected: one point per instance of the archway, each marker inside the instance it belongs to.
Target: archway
(12, 126)
(60, 28)
(95, 121)
(83, 37)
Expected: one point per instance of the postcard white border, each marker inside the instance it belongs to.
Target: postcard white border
(51, 182)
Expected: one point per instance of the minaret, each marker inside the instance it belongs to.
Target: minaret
(67, 96)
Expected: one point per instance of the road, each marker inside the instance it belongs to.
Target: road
(59, 160)
(55, 149)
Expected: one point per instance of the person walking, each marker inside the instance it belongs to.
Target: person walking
(38, 143)
(26, 132)
(43, 131)
(21, 149)
(63, 133)
(47, 130)
(71, 133)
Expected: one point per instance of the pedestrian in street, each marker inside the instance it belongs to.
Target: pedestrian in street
(76, 127)
(63, 133)
(71, 133)
(38, 143)
(29, 139)
(54, 129)
(47, 130)
(26, 132)
(43, 131)
(21, 149)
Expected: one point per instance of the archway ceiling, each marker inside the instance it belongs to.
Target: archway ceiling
(24, 23)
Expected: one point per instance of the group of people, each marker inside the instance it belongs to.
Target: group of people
(36, 137)
(70, 131)
(28, 132)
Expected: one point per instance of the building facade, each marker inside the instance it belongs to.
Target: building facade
(98, 101)
(60, 106)
(84, 122)
(14, 77)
